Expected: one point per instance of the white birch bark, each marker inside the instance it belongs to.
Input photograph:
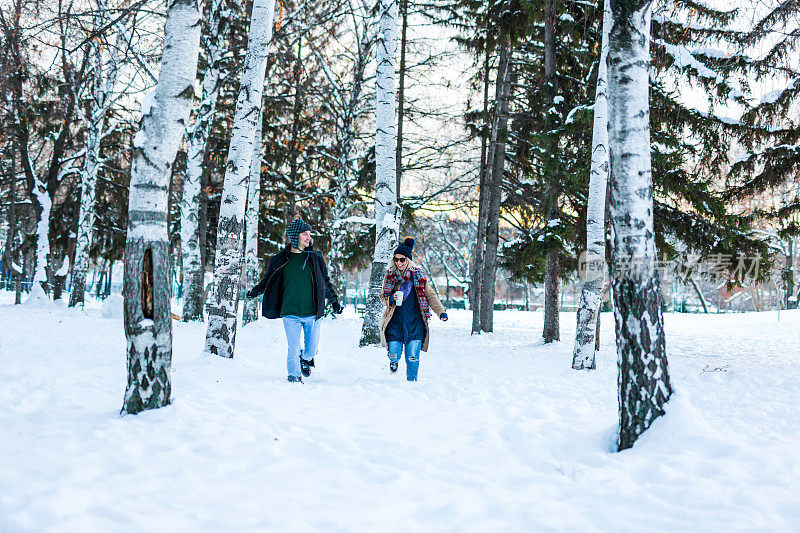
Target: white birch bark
(386, 211)
(42, 239)
(252, 271)
(86, 214)
(148, 320)
(643, 379)
(105, 75)
(224, 297)
(196, 140)
(583, 355)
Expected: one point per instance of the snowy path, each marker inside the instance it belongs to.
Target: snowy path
(499, 434)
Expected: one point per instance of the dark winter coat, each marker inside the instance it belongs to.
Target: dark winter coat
(270, 285)
(407, 322)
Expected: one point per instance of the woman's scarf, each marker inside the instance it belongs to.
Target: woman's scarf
(411, 277)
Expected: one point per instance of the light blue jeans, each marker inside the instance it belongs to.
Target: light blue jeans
(412, 349)
(293, 325)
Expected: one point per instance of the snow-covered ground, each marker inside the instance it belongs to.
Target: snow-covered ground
(499, 434)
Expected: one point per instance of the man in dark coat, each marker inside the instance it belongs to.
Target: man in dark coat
(295, 287)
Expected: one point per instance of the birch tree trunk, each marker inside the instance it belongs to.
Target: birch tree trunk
(401, 93)
(148, 320)
(196, 140)
(643, 379)
(105, 76)
(551, 330)
(252, 270)
(386, 212)
(583, 356)
(42, 239)
(495, 180)
(86, 214)
(224, 297)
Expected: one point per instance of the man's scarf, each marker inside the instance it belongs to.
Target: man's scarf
(392, 284)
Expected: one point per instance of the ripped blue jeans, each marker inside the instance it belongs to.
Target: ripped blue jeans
(412, 349)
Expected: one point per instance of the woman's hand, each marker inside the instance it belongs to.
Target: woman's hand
(443, 317)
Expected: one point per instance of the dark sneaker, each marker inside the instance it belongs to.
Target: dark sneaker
(393, 366)
(305, 366)
(293, 379)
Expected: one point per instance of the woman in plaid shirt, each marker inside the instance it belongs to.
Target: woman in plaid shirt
(409, 300)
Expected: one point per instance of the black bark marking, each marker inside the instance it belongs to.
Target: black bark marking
(641, 398)
(187, 93)
(147, 216)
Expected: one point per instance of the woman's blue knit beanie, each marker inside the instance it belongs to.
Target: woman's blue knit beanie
(406, 248)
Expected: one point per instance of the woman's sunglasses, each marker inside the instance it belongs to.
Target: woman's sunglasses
(399, 259)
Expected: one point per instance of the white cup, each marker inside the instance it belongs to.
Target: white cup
(398, 298)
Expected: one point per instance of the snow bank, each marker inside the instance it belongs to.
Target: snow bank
(37, 297)
(113, 306)
(499, 434)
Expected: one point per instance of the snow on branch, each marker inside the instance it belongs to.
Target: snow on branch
(685, 59)
(774, 96)
(354, 220)
(575, 110)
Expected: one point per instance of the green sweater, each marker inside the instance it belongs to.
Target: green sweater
(297, 287)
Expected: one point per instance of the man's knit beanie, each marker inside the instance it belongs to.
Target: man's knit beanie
(406, 248)
(294, 230)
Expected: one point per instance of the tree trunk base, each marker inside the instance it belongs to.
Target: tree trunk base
(588, 322)
(370, 330)
(551, 332)
(78, 288)
(193, 297)
(148, 325)
(643, 380)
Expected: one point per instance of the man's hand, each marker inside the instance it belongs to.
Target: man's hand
(251, 294)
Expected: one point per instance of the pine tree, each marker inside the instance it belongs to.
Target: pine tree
(495, 170)
(489, 31)
(690, 148)
(551, 330)
(551, 135)
(772, 159)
